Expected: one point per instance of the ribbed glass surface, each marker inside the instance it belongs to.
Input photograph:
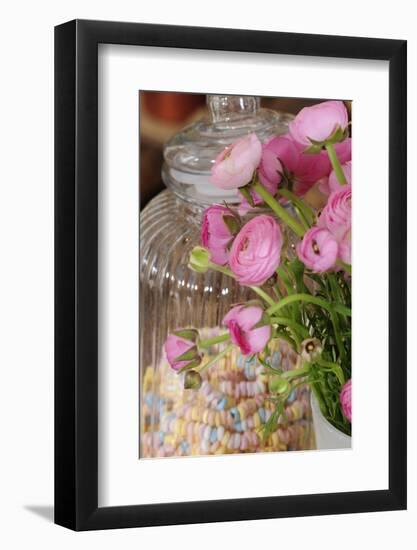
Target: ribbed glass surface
(227, 413)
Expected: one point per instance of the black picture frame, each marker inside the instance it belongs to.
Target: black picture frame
(76, 272)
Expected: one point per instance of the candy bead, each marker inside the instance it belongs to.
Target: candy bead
(235, 414)
(217, 420)
(222, 404)
(284, 436)
(196, 430)
(225, 439)
(242, 411)
(227, 414)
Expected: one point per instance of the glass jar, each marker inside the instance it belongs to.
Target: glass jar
(228, 412)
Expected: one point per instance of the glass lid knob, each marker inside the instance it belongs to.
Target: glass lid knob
(231, 107)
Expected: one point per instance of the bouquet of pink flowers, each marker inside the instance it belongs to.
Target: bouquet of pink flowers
(296, 260)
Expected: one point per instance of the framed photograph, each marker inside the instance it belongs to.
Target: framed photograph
(230, 336)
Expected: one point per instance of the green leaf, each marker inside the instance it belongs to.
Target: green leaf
(188, 334)
(232, 224)
(190, 365)
(263, 321)
(338, 135)
(188, 355)
(307, 212)
(297, 269)
(246, 193)
(313, 149)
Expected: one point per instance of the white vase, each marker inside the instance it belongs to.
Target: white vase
(327, 436)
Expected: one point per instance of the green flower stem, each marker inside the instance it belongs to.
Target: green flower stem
(215, 340)
(221, 269)
(302, 206)
(296, 327)
(336, 329)
(285, 279)
(337, 369)
(331, 308)
(334, 291)
(335, 294)
(216, 358)
(303, 221)
(259, 291)
(310, 299)
(336, 164)
(296, 373)
(296, 339)
(278, 209)
(277, 291)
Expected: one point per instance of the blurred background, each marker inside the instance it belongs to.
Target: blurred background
(163, 114)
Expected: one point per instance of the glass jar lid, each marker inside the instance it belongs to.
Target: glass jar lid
(190, 154)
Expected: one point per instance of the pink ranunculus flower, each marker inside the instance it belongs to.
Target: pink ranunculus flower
(175, 346)
(336, 216)
(318, 122)
(346, 400)
(256, 250)
(311, 168)
(283, 153)
(215, 234)
(241, 321)
(345, 248)
(318, 250)
(277, 153)
(235, 165)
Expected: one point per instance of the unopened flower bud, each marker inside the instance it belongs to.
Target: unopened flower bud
(192, 380)
(181, 352)
(311, 349)
(278, 385)
(199, 259)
